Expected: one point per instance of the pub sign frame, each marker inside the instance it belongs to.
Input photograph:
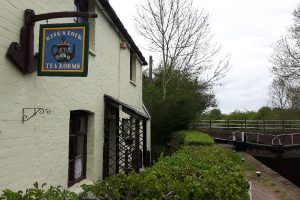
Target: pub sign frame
(63, 49)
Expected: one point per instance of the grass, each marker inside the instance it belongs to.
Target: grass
(197, 138)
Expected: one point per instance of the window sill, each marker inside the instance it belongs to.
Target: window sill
(132, 83)
(76, 187)
(92, 52)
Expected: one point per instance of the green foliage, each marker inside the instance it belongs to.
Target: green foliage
(197, 138)
(39, 193)
(195, 172)
(185, 97)
(239, 115)
(264, 113)
(213, 114)
(156, 151)
(178, 138)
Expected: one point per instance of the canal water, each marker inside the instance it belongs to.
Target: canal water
(287, 167)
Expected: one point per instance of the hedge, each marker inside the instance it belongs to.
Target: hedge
(205, 172)
(197, 138)
(191, 138)
(39, 193)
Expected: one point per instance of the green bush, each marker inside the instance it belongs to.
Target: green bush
(191, 138)
(197, 138)
(38, 193)
(195, 172)
(174, 110)
(178, 138)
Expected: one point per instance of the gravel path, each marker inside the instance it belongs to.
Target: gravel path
(261, 192)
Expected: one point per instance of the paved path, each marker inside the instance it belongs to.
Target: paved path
(271, 185)
(277, 187)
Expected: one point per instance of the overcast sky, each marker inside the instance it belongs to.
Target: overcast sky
(247, 29)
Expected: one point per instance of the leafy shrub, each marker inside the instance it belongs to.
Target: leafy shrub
(176, 109)
(197, 138)
(38, 193)
(191, 138)
(179, 137)
(195, 172)
(156, 151)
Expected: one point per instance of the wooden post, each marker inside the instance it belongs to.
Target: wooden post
(106, 142)
(117, 141)
(145, 143)
(126, 162)
(137, 147)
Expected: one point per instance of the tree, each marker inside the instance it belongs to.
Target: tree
(285, 89)
(286, 56)
(241, 115)
(215, 114)
(278, 93)
(180, 33)
(186, 98)
(284, 94)
(293, 96)
(265, 113)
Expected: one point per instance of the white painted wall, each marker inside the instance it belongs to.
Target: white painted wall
(37, 150)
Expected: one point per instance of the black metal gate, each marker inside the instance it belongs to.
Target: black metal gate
(124, 141)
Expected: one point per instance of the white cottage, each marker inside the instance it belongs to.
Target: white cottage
(66, 130)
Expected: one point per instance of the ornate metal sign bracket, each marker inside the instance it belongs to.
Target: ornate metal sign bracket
(22, 54)
(28, 113)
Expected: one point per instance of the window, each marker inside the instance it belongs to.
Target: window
(87, 6)
(81, 6)
(132, 66)
(77, 147)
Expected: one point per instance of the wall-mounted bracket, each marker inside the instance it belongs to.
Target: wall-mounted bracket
(28, 113)
(22, 54)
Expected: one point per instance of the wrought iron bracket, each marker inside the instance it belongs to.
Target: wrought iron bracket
(28, 113)
(22, 54)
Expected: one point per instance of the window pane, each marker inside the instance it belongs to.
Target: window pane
(72, 147)
(78, 168)
(80, 145)
(71, 171)
(82, 124)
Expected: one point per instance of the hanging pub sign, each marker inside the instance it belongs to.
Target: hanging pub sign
(63, 49)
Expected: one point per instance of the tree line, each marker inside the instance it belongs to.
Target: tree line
(264, 113)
